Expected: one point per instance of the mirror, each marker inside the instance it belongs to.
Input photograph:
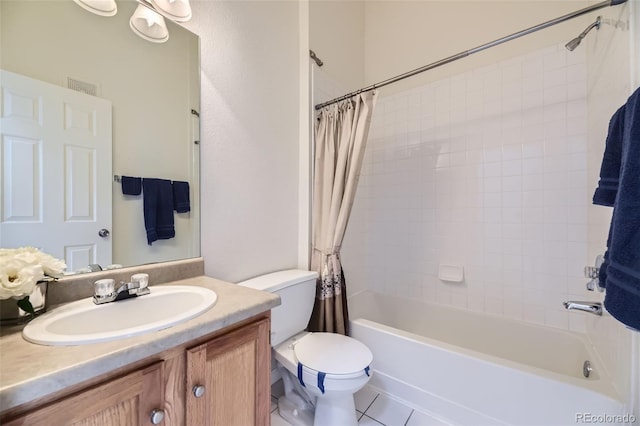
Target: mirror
(154, 90)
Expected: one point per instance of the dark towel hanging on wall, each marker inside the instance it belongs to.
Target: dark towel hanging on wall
(622, 275)
(158, 209)
(181, 202)
(131, 185)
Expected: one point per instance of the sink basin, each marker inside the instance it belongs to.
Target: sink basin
(82, 322)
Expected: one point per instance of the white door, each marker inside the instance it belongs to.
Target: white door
(55, 170)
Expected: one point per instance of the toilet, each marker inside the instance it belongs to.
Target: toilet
(320, 371)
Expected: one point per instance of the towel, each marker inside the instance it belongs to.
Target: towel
(605, 194)
(157, 198)
(181, 196)
(622, 298)
(131, 185)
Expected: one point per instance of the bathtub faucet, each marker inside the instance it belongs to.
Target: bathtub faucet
(591, 307)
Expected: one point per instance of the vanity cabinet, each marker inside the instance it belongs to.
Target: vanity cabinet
(122, 401)
(224, 381)
(221, 379)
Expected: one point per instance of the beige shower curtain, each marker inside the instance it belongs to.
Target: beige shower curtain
(341, 136)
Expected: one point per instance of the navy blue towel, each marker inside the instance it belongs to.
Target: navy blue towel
(605, 194)
(622, 298)
(181, 202)
(131, 185)
(158, 209)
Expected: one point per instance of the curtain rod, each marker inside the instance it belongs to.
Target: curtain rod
(474, 50)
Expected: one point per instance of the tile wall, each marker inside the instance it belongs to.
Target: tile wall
(486, 170)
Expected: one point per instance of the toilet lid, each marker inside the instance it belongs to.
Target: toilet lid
(332, 353)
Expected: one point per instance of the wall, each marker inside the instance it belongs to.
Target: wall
(485, 170)
(249, 135)
(51, 41)
(336, 34)
(403, 35)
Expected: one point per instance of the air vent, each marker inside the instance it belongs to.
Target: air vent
(81, 86)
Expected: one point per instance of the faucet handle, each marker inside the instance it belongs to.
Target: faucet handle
(104, 287)
(593, 272)
(141, 279)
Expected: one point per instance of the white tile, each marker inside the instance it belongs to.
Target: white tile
(388, 411)
(532, 166)
(364, 397)
(420, 419)
(368, 421)
(276, 420)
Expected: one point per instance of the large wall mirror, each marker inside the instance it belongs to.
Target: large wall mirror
(154, 95)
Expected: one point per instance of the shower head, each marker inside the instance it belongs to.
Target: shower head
(576, 41)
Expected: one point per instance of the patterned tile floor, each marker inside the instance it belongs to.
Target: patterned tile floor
(374, 409)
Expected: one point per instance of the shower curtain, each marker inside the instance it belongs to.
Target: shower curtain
(340, 139)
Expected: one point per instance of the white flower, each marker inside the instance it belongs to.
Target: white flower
(17, 277)
(22, 268)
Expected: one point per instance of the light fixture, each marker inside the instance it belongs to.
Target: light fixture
(147, 21)
(149, 25)
(99, 7)
(176, 10)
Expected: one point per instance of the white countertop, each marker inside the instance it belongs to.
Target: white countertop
(29, 371)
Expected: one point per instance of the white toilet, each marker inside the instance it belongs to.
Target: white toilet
(321, 371)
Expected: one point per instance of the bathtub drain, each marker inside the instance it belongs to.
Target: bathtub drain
(587, 369)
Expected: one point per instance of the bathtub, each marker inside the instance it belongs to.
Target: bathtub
(473, 369)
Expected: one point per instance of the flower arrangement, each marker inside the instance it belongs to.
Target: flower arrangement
(21, 269)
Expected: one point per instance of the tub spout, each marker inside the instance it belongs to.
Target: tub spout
(591, 307)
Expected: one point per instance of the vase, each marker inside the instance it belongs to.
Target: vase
(10, 313)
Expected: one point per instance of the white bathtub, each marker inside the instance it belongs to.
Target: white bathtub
(474, 369)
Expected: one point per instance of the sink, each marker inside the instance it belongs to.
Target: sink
(83, 322)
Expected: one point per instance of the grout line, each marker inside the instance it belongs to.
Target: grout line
(371, 418)
(370, 404)
(409, 418)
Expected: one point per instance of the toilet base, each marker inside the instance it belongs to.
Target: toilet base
(293, 414)
(338, 409)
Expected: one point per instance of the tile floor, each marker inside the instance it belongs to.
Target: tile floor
(374, 409)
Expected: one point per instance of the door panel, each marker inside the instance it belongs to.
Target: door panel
(66, 199)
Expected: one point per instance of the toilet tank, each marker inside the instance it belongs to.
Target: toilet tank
(297, 291)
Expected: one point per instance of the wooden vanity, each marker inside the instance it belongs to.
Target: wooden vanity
(211, 370)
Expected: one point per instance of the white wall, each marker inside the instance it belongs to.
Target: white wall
(250, 135)
(53, 40)
(403, 35)
(336, 34)
(485, 170)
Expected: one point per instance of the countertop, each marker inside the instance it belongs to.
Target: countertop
(29, 371)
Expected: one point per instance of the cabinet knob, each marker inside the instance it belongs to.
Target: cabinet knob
(157, 416)
(198, 390)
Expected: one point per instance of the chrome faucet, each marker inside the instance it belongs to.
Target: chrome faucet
(105, 291)
(591, 307)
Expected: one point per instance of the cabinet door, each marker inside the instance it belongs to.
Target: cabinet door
(234, 370)
(127, 401)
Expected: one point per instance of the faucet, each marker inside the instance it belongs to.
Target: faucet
(591, 307)
(105, 291)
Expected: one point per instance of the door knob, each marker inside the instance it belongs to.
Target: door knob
(104, 233)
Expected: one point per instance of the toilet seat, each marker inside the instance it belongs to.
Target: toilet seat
(330, 356)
